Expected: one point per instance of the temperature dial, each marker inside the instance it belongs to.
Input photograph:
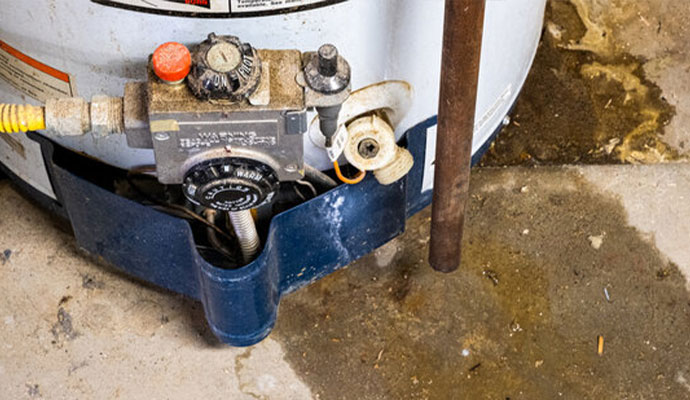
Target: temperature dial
(224, 68)
(230, 184)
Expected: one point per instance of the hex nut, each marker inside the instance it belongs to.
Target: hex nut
(67, 116)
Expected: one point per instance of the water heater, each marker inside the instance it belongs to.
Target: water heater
(237, 150)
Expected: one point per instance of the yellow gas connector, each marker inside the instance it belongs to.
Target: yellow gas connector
(15, 118)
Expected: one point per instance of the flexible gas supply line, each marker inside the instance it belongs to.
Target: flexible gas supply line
(66, 116)
(245, 230)
(15, 118)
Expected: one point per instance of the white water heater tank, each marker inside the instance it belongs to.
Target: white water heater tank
(83, 48)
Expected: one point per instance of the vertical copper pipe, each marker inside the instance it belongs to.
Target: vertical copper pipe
(462, 42)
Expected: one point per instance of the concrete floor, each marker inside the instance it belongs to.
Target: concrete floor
(554, 257)
(519, 321)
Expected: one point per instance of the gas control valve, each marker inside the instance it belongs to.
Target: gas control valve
(232, 129)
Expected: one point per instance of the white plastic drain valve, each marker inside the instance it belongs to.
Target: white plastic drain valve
(372, 147)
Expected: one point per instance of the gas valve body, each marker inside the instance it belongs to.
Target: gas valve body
(234, 127)
(188, 130)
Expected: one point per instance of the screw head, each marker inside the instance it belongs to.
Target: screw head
(291, 168)
(161, 136)
(368, 148)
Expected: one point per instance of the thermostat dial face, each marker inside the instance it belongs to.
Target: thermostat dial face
(230, 184)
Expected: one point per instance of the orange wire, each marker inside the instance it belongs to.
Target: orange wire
(350, 181)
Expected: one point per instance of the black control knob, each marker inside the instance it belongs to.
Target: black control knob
(327, 72)
(230, 184)
(224, 68)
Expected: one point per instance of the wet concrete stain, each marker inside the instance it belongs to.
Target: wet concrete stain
(585, 101)
(520, 320)
(33, 390)
(239, 366)
(63, 330)
(5, 256)
(91, 283)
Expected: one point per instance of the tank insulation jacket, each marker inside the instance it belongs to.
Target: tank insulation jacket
(15, 118)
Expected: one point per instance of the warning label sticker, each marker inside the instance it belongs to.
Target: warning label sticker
(32, 77)
(174, 6)
(252, 6)
(480, 124)
(218, 8)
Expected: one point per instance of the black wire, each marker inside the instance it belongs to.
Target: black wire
(172, 209)
(310, 186)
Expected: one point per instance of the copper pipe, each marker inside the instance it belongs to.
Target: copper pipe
(462, 42)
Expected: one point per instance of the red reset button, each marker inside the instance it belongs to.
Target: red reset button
(172, 62)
